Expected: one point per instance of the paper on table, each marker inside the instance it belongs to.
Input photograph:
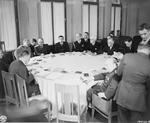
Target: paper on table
(54, 75)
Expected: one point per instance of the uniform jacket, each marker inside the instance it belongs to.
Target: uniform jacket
(135, 72)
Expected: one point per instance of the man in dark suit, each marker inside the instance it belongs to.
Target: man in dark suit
(19, 67)
(95, 46)
(78, 45)
(131, 93)
(62, 46)
(32, 46)
(126, 45)
(41, 48)
(3, 67)
(86, 42)
(111, 46)
(136, 41)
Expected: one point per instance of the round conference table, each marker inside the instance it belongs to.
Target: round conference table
(68, 68)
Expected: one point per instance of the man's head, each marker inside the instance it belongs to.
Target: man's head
(40, 42)
(26, 42)
(128, 42)
(144, 49)
(33, 41)
(93, 39)
(23, 53)
(86, 35)
(144, 31)
(61, 38)
(78, 36)
(110, 41)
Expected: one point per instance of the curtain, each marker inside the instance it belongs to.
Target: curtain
(85, 18)
(117, 19)
(112, 18)
(7, 24)
(59, 20)
(46, 22)
(93, 20)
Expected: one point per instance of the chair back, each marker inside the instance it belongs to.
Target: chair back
(11, 95)
(67, 109)
(104, 107)
(22, 91)
(2, 46)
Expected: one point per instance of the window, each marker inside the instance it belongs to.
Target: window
(8, 24)
(116, 18)
(90, 17)
(46, 20)
(53, 20)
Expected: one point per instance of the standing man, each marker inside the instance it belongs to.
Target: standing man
(143, 37)
(134, 71)
(144, 32)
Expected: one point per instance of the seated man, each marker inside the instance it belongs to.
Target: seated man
(126, 46)
(19, 67)
(111, 46)
(107, 77)
(95, 46)
(78, 45)
(86, 42)
(32, 46)
(41, 48)
(3, 67)
(27, 43)
(62, 46)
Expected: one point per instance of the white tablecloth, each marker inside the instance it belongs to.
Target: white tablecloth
(67, 68)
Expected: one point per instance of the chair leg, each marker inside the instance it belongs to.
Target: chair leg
(93, 111)
(109, 119)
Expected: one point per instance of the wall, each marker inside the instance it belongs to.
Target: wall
(74, 18)
(135, 12)
(28, 19)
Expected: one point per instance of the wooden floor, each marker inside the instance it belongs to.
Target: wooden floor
(97, 117)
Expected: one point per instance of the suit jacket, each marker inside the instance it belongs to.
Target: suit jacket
(96, 48)
(78, 47)
(111, 51)
(3, 67)
(41, 50)
(136, 41)
(61, 48)
(135, 72)
(124, 49)
(86, 45)
(19, 68)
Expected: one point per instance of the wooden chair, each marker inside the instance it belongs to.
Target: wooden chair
(11, 96)
(23, 97)
(2, 46)
(67, 109)
(104, 107)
